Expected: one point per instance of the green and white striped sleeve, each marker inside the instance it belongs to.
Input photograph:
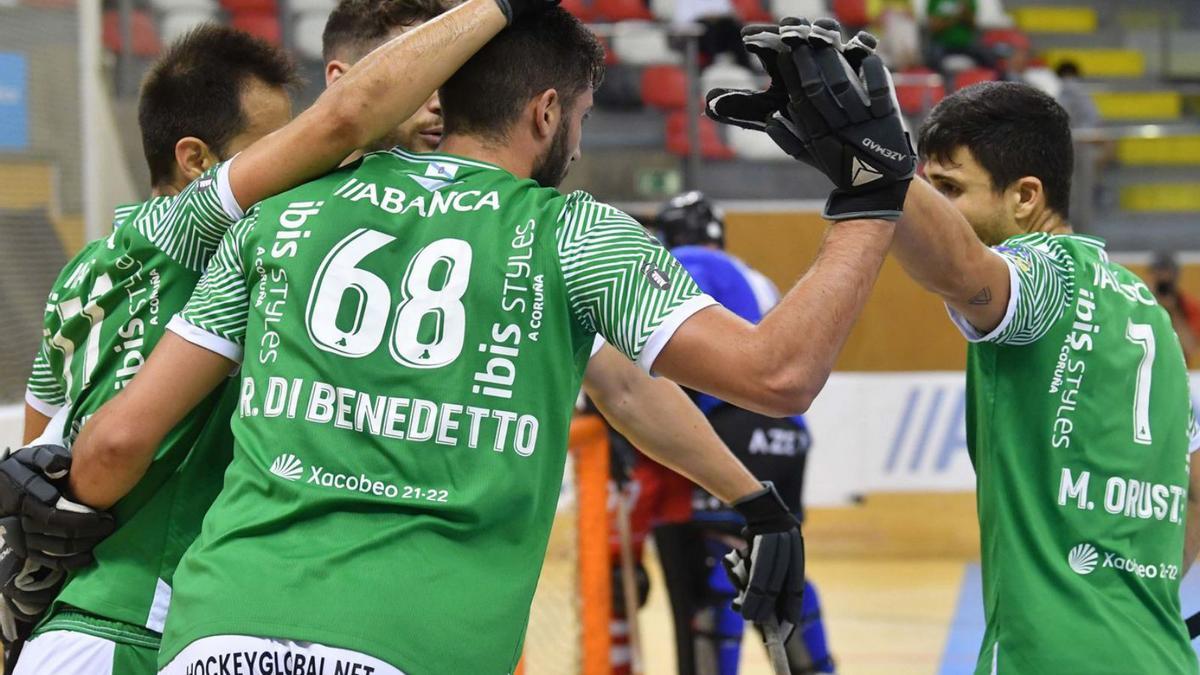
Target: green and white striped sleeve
(215, 317)
(1042, 284)
(190, 228)
(44, 392)
(621, 282)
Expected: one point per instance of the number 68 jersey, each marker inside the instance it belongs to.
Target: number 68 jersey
(412, 331)
(1079, 425)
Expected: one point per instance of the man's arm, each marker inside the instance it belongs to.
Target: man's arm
(382, 90)
(118, 443)
(658, 418)
(940, 251)
(784, 361)
(200, 347)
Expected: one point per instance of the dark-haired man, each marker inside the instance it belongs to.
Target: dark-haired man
(217, 92)
(403, 411)
(1078, 418)
(654, 413)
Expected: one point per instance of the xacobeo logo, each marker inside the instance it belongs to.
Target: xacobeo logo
(1082, 558)
(287, 467)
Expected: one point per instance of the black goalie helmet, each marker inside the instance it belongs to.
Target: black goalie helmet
(690, 219)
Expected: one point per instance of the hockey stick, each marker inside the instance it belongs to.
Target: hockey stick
(629, 584)
(773, 638)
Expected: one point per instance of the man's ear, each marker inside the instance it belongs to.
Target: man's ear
(334, 70)
(1030, 198)
(192, 158)
(547, 109)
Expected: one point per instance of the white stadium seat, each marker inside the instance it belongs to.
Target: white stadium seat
(810, 9)
(727, 75)
(663, 9)
(183, 5)
(642, 43)
(301, 6)
(175, 24)
(307, 31)
(755, 145)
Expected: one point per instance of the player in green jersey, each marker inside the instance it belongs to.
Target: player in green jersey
(108, 617)
(1079, 419)
(653, 412)
(412, 331)
(1078, 411)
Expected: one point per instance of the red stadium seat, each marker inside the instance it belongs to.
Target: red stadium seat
(259, 6)
(711, 145)
(145, 40)
(1010, 37)
(259, 24)
(582, 9)
(974, 76)
(622, 10)
(664, 87)
(852, 13)
(917, 98)
(752, 11)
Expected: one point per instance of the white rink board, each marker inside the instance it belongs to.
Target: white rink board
(890, 432)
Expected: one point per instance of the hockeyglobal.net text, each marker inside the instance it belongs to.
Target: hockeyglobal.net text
(275, 663)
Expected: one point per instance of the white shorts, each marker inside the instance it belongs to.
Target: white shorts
(65, 652)
(269, 656)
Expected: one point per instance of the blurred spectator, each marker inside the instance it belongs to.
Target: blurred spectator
(1183, 308)
(1091, 155)
(1019, 66)
(900, 46)
(722, 30)
(1074, 98)
(952, 31)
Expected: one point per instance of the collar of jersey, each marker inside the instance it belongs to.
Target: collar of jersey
(438, 157)
(1042, 236)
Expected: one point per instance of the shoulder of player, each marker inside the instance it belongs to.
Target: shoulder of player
(581, 210)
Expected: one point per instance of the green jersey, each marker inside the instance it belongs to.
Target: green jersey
(1079, 426)
(107, 311)
(413, 331)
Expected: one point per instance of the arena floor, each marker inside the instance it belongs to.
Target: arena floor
(888, 609)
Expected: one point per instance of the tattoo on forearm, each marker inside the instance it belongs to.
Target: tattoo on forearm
(983, 297)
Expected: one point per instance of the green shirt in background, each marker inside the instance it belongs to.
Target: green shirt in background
(958, 35)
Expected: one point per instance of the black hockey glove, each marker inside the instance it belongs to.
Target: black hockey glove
(513, 9)
(766, 110)
(53, 530)
(848, 119)
(769, 573)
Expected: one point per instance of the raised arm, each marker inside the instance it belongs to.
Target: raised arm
(382, 90)
(940, 251)
(778, 366)
(658, 418)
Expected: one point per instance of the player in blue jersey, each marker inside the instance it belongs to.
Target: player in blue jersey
(708, 631)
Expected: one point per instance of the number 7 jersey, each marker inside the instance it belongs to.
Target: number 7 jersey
(1079, 425)
(413, 331)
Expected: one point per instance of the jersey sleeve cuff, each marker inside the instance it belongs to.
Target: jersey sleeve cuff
(202, 338)
(47, 409)
(973, 334)
(666, 330)
(229, 203)
(597, 345)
